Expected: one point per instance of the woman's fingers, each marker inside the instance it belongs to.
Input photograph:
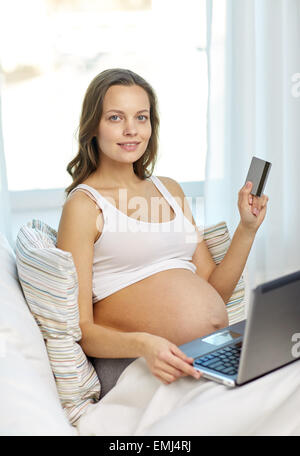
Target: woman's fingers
(167, 378)
(185, 363)
(169, 375)
(258, 203)
(176, 363)
(177, 352)
(171, 371)
(166, 361)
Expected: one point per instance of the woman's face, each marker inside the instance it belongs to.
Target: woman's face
(125, 119)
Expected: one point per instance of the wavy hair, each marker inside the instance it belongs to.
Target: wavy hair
(87, 159)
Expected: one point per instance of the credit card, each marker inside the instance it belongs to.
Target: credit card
(258, 174)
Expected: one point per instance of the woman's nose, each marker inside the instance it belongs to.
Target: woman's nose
(130, 127)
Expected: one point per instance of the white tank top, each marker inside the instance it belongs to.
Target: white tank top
(128, 250)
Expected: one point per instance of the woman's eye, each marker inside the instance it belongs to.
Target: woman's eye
(143, 116)
(113, 116)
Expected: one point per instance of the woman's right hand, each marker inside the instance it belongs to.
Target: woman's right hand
(166, 361)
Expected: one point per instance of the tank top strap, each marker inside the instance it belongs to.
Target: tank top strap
(96, 196)
(170, 198)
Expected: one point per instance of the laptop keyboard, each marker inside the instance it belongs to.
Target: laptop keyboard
(225, 360)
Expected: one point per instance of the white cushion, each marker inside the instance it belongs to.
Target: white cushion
(28, 396)
(218, 240)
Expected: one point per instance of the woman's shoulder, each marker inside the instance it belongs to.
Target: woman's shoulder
(81, 201)
(80, 212)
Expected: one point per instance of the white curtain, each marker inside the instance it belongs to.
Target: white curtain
(254, 109)
(5, 213)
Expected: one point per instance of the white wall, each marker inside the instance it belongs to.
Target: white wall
(45, 205)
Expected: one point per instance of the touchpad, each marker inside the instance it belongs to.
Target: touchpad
(205, 345)
(221, 338)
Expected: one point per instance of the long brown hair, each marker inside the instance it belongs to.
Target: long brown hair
(87, 158)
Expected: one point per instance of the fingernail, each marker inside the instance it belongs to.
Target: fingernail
(248, 184)
(256, 211)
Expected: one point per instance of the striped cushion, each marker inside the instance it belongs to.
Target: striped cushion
(218, 241)
(49, 281)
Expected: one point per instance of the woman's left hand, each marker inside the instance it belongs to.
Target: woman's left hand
(252, 208)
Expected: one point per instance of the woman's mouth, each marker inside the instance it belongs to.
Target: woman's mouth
(129, 146)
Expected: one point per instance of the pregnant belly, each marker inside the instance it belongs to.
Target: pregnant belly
(176, 304)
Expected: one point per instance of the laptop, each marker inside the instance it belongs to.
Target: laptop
(265, 341)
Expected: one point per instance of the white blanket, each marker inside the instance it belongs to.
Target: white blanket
(140, 404)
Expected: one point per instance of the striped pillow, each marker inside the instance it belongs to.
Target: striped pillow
(49, 281)
(218, 240)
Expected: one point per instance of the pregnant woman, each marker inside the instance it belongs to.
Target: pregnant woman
(147, 282)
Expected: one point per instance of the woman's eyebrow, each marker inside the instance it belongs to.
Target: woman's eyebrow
(121, 112)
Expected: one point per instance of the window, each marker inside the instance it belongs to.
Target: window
(55, 48)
